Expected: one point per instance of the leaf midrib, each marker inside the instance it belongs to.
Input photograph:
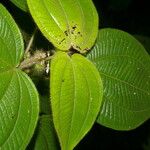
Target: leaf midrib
(83, 17)
(49, 13)
(99, 59)
(16, 117)
(89, 102)
(31, 112)
(7, 87)
(91, 31)
(66, 19)
(112, 77)
(74, 84)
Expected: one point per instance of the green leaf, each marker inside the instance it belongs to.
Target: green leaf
(124, 67)
(11, 42)
(76, 95)
(22, 4)
(46, 137)
(19, 109)
(19, 103)
(67, 24)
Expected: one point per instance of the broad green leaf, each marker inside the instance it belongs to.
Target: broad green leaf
(19, 104)
(66, 23)
(11, 42)
(124, 66)
(46, 136)
(22, 4)
(19, 109)
(76, 95)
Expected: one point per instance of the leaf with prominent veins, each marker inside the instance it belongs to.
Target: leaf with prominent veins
(19, 102)
(76, 95)
(66, 23)
(124, 65)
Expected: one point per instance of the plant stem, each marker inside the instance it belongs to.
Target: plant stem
(30, 41)
(38, 57)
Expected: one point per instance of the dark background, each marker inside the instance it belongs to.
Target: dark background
(132, 16)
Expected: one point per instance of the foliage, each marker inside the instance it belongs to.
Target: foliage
(72, 87)
(19, 102)
(107, 81)
(60, 25)
(124, 67)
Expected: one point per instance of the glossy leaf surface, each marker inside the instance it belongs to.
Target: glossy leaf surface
(18, 109)
(19, 104)
(76, 95)
(11, 42)
(66, 23)
(124, 66)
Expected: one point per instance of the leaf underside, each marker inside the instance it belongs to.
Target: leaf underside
(76, 95)
(67, 24)
(124, 66)
(19, 105)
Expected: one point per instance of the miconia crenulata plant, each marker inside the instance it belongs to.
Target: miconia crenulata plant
(96, 75)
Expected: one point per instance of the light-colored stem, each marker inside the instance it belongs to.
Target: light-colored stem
(29, 62)
(30, 41)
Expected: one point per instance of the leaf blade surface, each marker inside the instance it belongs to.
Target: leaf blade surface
(124, 66)
(75, 97)
(67, 24)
